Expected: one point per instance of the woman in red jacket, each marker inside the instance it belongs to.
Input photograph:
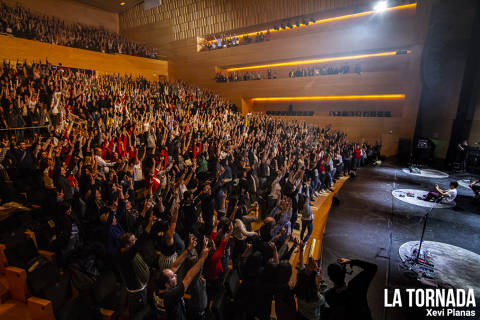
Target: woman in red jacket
(213, 267)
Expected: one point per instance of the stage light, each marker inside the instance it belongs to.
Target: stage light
(381, 6)
(122, 3)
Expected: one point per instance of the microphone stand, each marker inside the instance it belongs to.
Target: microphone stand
(424, 228)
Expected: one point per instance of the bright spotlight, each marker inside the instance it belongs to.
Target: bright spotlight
(381, 6)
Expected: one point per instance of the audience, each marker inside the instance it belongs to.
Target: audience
(22, 23)
(317, 71)
(294, 73)
(227, 41)
(146, 169)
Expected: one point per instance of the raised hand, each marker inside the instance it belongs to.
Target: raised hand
(205, 248)
(192, 242)
(343, 260)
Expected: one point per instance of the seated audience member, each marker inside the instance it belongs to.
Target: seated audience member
(349, 301)
(447, 196)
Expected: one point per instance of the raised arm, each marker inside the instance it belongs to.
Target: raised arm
(173, 224)
(197, 266)
(177, 264)
(362, 280)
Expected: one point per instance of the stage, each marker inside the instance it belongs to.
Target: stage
(371, 224)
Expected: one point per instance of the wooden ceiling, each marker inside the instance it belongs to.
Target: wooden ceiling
(111, 5)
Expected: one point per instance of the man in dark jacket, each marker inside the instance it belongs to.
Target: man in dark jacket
(63, 183)
(68, 229)
(133, 270)
(207, 202)
(349, 301)
(189, 215)
(24, 157)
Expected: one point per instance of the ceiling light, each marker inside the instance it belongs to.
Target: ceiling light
(380, 6)
(122, 3)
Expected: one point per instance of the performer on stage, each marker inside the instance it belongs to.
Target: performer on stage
(448, 195)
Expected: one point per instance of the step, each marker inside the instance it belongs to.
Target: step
(4, 289)
(14, 310)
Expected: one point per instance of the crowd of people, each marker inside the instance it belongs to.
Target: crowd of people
(322, 71)
(232, 40)
(294, 73)
(227, 41)
(167, 181)
(245, 76)
(21, 22)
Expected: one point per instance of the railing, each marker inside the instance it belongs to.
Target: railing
(22, 133)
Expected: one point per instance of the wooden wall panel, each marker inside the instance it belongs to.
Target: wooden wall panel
(71, 11)
(21, 49)
(214, 13)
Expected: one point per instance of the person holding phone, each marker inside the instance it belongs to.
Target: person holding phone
(349, 301)
(447, 195)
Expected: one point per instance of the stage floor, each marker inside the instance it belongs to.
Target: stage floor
(370, 224)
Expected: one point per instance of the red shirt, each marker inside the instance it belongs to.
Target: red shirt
(213, 266)
(154, 181)
(357, 153)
